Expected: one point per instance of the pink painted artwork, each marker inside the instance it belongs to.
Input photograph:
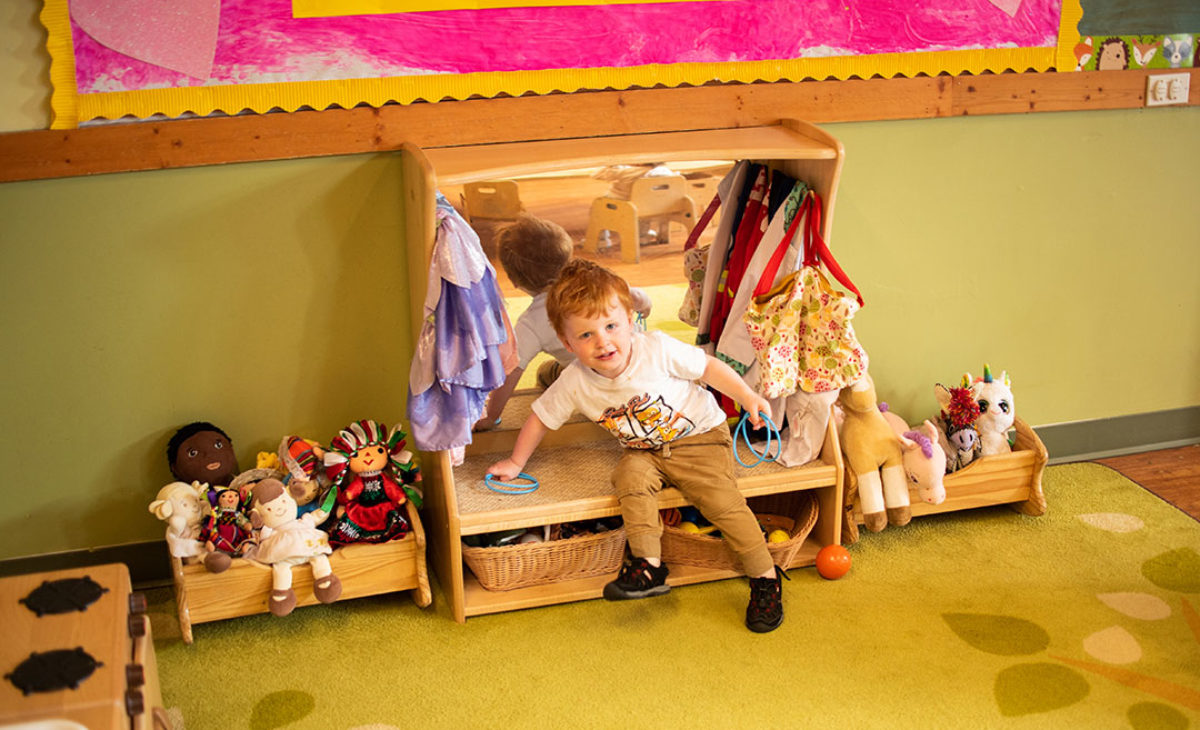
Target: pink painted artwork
(258, 41)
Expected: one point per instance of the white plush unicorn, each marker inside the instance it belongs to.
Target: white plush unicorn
(996, 410)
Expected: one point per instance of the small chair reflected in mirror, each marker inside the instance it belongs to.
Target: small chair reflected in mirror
(489, 205)
(654, 203)
(492, 200)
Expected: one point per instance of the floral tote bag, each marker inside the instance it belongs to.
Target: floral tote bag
(800, 328)
(695, 265)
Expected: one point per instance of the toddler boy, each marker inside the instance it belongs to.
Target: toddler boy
(644, 388)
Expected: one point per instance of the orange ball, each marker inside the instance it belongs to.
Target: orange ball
(833, 561)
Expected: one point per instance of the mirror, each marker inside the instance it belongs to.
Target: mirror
(568, 198)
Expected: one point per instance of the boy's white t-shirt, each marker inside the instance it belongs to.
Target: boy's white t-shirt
(656, 400)
(535, 335)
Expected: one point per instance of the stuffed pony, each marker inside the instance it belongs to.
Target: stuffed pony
(924, 457)
(875, 457)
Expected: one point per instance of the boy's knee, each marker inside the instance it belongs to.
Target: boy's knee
(634, 476)
(716, 504)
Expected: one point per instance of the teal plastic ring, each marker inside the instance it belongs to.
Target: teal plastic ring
(508, 488)
(773, 438)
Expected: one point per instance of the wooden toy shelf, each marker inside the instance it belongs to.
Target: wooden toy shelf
(574, 470)
(243, 589)
(457, 503)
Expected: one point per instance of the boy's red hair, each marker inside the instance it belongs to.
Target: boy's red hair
(586, 289)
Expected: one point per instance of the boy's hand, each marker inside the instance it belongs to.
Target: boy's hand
(755, 404)
(485, 424)
(505, 470)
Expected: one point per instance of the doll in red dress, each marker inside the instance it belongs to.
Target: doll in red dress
(227, 529)
(372, 476)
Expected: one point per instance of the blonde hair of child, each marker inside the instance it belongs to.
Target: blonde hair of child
(585, 289)
(533, 251)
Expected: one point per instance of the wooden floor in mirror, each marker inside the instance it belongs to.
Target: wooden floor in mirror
(1172, 474)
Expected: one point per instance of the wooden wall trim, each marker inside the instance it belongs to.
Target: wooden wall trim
(152, 145)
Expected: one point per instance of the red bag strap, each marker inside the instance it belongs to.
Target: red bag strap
(816, 252)
(694, 236)
(767, 280)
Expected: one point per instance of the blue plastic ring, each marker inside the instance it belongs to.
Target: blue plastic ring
(773, 438)
(507, 488)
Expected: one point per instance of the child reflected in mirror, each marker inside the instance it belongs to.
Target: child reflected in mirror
(532, 252)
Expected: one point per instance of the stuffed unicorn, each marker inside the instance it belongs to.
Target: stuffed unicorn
(996, 410)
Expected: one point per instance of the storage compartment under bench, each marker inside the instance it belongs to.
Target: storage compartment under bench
(574, 485)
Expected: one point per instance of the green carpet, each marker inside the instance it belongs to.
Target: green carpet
(1082, 618)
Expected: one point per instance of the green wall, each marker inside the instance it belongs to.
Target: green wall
(1063, 248)
(270, 297)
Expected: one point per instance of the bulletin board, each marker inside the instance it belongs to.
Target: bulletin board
(1113, 35)
(138, 59)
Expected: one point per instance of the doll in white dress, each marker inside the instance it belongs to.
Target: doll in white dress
(286, 540)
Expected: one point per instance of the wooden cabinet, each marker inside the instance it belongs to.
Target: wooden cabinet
(79, 641)
(573, 464)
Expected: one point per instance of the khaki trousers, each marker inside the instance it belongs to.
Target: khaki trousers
(701, 467)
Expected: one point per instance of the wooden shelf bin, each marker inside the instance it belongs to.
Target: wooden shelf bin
(1013, 479)
(243, 589)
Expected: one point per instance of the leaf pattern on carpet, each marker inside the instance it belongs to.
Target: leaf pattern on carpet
(1175, 570)
(1025, 689)
(1114, 645)
(1000, 635)
(1113, 521)
(279, 709)
(1156, 716)
(1137, 605)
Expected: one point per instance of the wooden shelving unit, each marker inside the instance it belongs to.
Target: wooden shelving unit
(575, 486)
(457, 503)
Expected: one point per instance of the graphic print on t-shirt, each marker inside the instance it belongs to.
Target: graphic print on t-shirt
(645, 424)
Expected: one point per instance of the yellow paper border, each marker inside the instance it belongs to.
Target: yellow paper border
(64, 96)
(260, 98)
(1068, 34)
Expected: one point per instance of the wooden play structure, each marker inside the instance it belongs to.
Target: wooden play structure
(574, 462)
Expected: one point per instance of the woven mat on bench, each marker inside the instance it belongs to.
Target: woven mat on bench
(565, 473)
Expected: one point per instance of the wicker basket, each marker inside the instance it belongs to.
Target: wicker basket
(518, 566)
(794, 512)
